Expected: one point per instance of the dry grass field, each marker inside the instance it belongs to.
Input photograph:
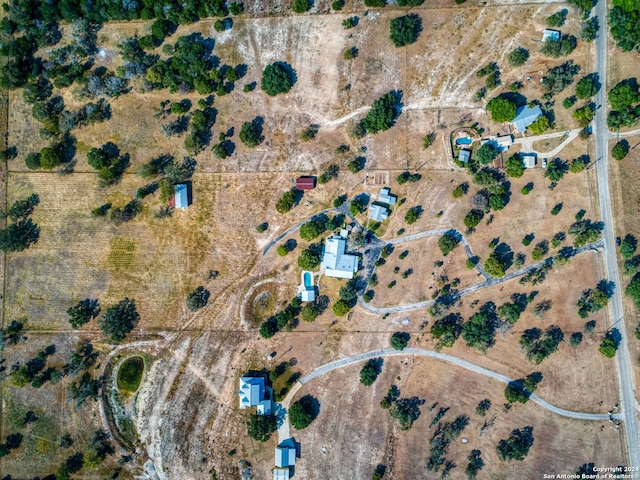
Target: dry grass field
(187, 423)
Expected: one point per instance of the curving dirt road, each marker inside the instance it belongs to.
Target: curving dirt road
(473, 288)
(284, 429)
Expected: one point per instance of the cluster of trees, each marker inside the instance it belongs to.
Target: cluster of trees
(610, 343)
(520, 390)
(557, 19)
(538, 345)
(251, 133)
(21, 233)
(329, 174)
(447, 330)
(475, 464)
(633, 289)
(200, 130)
(446, 432)
(487, 153)
(348, 298)
(559, 48)
(286, 247)
(479, 331)
(260, 427)
(370, 371)
(413, 214)
(284, 319)
(559, 77)
(587, 86)
(33, 371)
(620, 150)
(497, 263)
(624, 99)
(539, 126)
(405, 30)
(492, 72)
(511, 311)
(83, 312)
(624, 19)
(319, 224)
(514, 166)
(593, 300)
(556, 170)
(585, 231)
(517, 446)
(449, 241)
(119, 319)
(303, 412)
(495, 194)
(310, 257)
(108, 162)
(190, 67)
(585, 114)
(383, 114)
(358, 204)
(407, 176)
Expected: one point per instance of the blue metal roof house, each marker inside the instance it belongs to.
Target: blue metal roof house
(525, 116)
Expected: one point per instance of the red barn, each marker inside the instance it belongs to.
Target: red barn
(306, 183)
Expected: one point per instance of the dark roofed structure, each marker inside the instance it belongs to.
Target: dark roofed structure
(306, 183)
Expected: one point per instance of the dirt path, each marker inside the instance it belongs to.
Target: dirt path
(284, 429)
(473, 288)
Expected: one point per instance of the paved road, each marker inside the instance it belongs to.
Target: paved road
(473, 288)
(527, 142)
(601, 134)
(390, 352)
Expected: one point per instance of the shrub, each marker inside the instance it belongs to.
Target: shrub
(620, 150)
(337, 5)
(518, 57)
(350, 22)
(413, 214)
(341, 308)
(197, 299)
(300, 6)
(251, 133)
(400, 340)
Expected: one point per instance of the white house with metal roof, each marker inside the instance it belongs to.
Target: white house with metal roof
(529, 160)
(525, 116)
(335, 262)
(254, 393)
(281, 474)
(181, 196)
(386, 196)
(285, 456)
(378, 212)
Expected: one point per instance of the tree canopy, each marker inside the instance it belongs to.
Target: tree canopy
(518, 56)
(370, 371)
(277, 78)
(515, 166)
(399, 340)
(382, 115)
(260, 427)
(517, 446)
(83, 312)
(487, 153)
(501, 109)
(119, 320)
(19, 236)
(406, 29)
(303, 412)
(624, 24)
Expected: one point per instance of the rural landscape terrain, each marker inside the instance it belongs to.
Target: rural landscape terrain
(348, 239)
